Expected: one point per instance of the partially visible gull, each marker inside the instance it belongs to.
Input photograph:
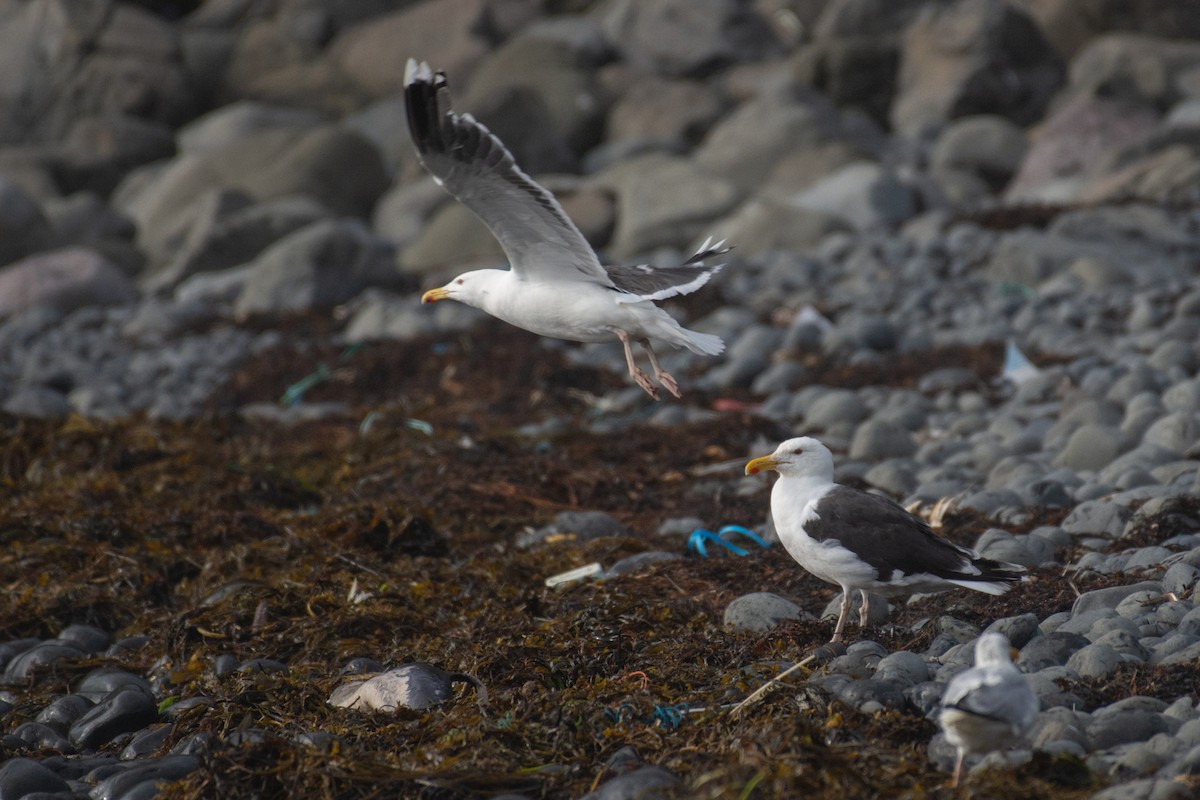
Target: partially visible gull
(862, 541)
(989, 706)
(557, 286)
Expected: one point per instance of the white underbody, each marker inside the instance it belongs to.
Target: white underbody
(580, 311)
(975, 734)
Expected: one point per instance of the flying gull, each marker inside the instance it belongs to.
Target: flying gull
(862, 541)
(557, 286)
(989, 706)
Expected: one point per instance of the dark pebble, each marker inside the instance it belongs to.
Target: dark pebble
(5, 707)
(224, 665)
(75, 768)
(87, 637)
(126, 710)
(13, 648)
(195, 744)
(22, 776)
(41, 654)
(323, 741)
(637, 561)
(361, 666)
(888, 693)
(1051, 650)
(647, 783)
(102, 681)
(174, 710)
(153, 771)
(247, 736)
(65, 711)
(926, 697)
(146, 742)
(130, 644)
(40, 736)
(262, 665)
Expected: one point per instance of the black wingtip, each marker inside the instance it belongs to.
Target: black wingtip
(421, 87)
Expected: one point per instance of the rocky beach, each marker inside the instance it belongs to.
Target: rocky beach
(242, 467)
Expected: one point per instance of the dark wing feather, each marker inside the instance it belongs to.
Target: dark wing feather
(658, 283)
(473, 165)
(889, 538)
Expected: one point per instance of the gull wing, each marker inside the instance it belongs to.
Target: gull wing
(646, 282)
(469, 162)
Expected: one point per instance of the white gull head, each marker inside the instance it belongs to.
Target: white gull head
(801, 457)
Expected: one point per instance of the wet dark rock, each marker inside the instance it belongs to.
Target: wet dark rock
(225, 664)
(40, 736)
(63, 711)
(248, 736)
(146, 742)
(321, 740)
(130, 644)
(575, 526)
(186, 704)
(126, 710)
(262, 665)
(86, 637)
(157, 770)
(1051, 650)
(20, 777)
(637, 561)
(21, 668)
(646, 783)
(101, 682)
(195, 744)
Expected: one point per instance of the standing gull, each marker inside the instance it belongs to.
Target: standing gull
(556, 286)
(862, 541)
(989, 706)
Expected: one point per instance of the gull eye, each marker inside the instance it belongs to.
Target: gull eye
(799, 451)
(460, 281)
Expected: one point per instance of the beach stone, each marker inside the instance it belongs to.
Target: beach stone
(760, 611)
(65, 279)
(644, 783)
(1111, 726)
(19, 669)
(663, 201)
(902, 667)
(876, 440)
(834, 406)
(863, 194)
(24, 229)
(21, 777)
(104, 680)
(1177, 432)
(234, 121)
(664, 108)
(87, 637)
(1059, 724)
(1019, 630)
(1110, 597)
(316, 268)
(225, 235)
(127, 782)
(125, 710)
(146, 742)
(1099, 517)
(1144, 789)
(1089, 447)
(986, 145)
(1180, 578)
(768, 225)
(63, 711)
(38, 736)
(1094, 661)
(687, 37)
(948, 54)
(752, 143)
(1051, 650)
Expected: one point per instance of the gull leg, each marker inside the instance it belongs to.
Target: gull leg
(639, 377)
(845, 612)
(864, 611)
(958, 765)
(661, 375)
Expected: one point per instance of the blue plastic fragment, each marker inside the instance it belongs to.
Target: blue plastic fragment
(697, 540)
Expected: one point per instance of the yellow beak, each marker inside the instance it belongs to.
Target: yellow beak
(760, 464)
(433, 295)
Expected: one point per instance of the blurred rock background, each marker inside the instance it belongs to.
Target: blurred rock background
(170, 170)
